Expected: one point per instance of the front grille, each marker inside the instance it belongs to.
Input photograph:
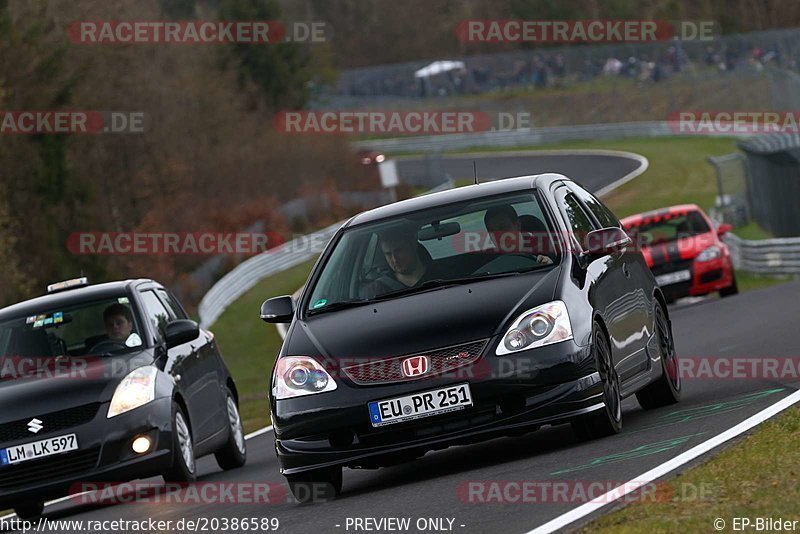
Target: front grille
(52, 422)
(389, 370)
(46, 469)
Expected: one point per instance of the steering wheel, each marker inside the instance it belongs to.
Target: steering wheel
(107, 345)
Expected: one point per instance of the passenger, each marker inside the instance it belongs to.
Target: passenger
(503, 220)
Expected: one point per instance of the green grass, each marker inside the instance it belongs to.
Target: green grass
(758, 477)
(678, 171)
(250, 346)
(752, 231)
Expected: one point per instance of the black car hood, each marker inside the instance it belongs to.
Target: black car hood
(438, 318)
(58, 385)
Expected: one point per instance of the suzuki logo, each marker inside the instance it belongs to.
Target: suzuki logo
(415, 366)
(34, 425)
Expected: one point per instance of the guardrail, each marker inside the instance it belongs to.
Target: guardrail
(779, 256)
(248, 273)
(530, 136)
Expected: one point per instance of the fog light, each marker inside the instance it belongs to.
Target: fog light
(141, 444)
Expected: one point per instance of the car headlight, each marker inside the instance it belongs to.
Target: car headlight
(543, 325)
(296, 376)
(709, 254)
(136, 389)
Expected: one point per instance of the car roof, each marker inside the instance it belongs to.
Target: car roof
(71, 296)
(660, 212)
(458, 194)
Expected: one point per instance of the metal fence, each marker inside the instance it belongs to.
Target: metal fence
(773, 182)
(732, 205)
(248, 273)
(530, 137)
(545, 66)
(765, 256)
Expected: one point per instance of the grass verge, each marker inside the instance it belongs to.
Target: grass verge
(250, 346)
(757, 477)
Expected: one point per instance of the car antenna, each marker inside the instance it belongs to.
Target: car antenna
(475, 170)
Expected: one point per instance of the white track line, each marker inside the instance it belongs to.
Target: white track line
(667, 467)
(251, 435)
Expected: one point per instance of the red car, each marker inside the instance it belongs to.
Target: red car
(684, 251)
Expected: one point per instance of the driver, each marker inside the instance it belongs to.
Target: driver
(119, 322)
(503, 220)
(401, 250)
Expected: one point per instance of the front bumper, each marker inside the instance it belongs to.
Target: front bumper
(710, 276)
(707, 277)
(510, 393)
(104, 454)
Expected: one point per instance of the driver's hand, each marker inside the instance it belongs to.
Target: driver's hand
(544, 259)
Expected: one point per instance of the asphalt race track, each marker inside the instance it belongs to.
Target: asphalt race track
(592, 171)
(752, 325)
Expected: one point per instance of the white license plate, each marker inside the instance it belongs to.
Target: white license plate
(673, 278)
(38, 449)
(424, 404)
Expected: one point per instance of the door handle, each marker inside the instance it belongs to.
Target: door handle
(625, 270)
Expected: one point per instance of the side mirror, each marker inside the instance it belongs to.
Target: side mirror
(180, 332)
(723, 229)
(606, 241)
(278, 310)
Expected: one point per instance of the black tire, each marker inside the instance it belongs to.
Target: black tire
(319, 485)
(666, 389)
(181, 470)
(29, 510)
(606, 421)
(732, 289)
(234, 453)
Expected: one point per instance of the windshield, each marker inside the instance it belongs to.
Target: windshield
(97, 327)
(456, 243)
(667, 227)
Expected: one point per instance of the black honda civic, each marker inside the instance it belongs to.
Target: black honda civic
(108, 382)
(461, 316)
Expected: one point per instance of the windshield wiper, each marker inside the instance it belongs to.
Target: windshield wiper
(438, 283)
(342, 305)
(428, 285)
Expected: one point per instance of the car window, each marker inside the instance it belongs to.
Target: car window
(172, 304)
(441, 243)
(598, 209)
(104, 326)
(667, 227)
(156, 313)
(579, 222)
